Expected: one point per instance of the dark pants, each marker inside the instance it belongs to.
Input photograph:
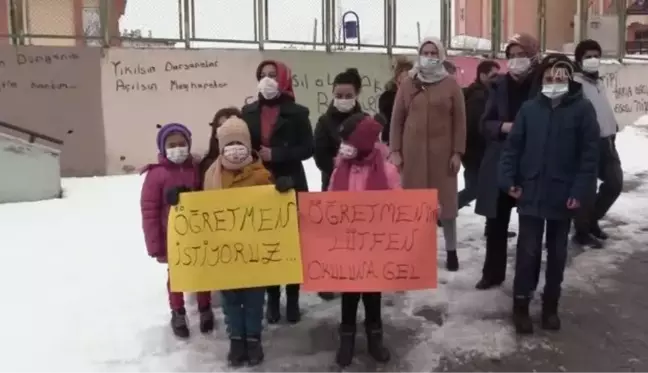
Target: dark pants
(497, 240)
(469, 192)
(372, 304)
(611, 175)
(529, 257)
(243, 309)
(292, 292)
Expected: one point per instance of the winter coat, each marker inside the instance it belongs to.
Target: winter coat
(327, 140)
(476, 96)
(161, 177)
(251, 175)
(552, 154)
(291, 138)
(428, 126)
(496, 112)
(359, 174)
(385, 106)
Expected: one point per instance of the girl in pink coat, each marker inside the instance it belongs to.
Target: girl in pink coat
(361, 165)
(175, 172)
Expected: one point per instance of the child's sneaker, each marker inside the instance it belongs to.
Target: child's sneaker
(206, 320)
(179, 323)
(254, 351)
(237, 354)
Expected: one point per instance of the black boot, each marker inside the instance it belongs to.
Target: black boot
(179, 323)
(293, 314)
(452, 261)
(550, 319)
(597, 232)
(254, 350)
(273, 314)
(486, 283)
(345, 352)
(521, 318)
(586, 239)
(326, 296)
(206, 320)
(237, 355)
(375, 345)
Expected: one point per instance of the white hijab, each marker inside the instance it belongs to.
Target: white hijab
(437, 73)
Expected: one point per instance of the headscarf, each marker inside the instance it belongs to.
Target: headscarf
(439, 72)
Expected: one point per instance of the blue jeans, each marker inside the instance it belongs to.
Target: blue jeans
(529, 256)
(243, 309)
(469, 192)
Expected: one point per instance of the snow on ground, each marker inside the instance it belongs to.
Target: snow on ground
(85, 296)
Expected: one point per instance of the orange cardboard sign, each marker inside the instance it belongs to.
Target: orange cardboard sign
(369, 241)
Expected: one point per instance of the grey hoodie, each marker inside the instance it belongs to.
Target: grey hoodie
(594, 90)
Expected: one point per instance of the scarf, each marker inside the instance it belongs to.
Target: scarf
(429, 76)
(213, 175)
(376, 180)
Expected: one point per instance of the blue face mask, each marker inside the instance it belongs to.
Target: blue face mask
(555, 90)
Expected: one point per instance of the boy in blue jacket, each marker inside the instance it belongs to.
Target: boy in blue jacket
(549, 166)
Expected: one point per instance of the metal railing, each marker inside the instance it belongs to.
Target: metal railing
(316, 24)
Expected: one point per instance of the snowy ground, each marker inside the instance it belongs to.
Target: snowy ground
(81, 293)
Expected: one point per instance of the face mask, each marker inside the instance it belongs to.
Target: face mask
(177, 155)
(236, 153)
(268, 88)
(556, 90)
(429, 62)
(591, 65)
(519, 66)
(348, 151)
(344, 105)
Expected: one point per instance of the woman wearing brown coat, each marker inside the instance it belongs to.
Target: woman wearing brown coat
(428, 135)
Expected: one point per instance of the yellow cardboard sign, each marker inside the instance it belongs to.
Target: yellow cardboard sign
(234, 238)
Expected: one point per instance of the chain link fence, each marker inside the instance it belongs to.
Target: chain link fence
(386, 25)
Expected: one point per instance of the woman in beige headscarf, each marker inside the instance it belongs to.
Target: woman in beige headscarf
(428, 135)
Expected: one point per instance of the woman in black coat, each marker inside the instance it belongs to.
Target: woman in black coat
(282, 135)
(386, 99)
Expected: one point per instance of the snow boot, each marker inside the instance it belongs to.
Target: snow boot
(255, 354)
(550, 319)
(344, 356)
(293, 314)
(179, 323)
(485, 284)
(273, 314)
(237, 355)
(375, 345)
(586, 239)
(521, 318)
(326, 296)
(452, 261)
(597, 232)
(206, 320)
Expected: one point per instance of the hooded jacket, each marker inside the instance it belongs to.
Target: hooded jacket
(552, 154)
(160, 177)
(283, 126)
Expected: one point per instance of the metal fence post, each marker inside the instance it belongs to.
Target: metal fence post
(583, 18)
(621, 37)
(388, 27)
(496, 27)
(187, 24)
(104, 19)
(329, 30)
(542, 24)
(446, 26)
(261, 26)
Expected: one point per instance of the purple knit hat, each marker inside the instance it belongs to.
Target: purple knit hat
(167, 130)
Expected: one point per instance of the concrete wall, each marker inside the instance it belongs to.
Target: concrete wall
(106, 107)
(30, 172)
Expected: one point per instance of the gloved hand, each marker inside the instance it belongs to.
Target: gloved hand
(284, 184)
(172, 196)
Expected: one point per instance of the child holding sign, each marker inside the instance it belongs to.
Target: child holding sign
(175, 172)
(237, 166)
(361, 166)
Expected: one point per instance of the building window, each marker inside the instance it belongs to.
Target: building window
(641, 34)
(92, 25)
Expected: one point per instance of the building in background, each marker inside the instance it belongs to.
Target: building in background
(63, 18)
(473, 18)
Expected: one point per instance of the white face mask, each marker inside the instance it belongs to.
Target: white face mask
(236, 153)
(268, 87)
(428, 63)
(344, 105)
(348, 151)
(555, 90)
(591, 65)
(177, 155)
(519, 65)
